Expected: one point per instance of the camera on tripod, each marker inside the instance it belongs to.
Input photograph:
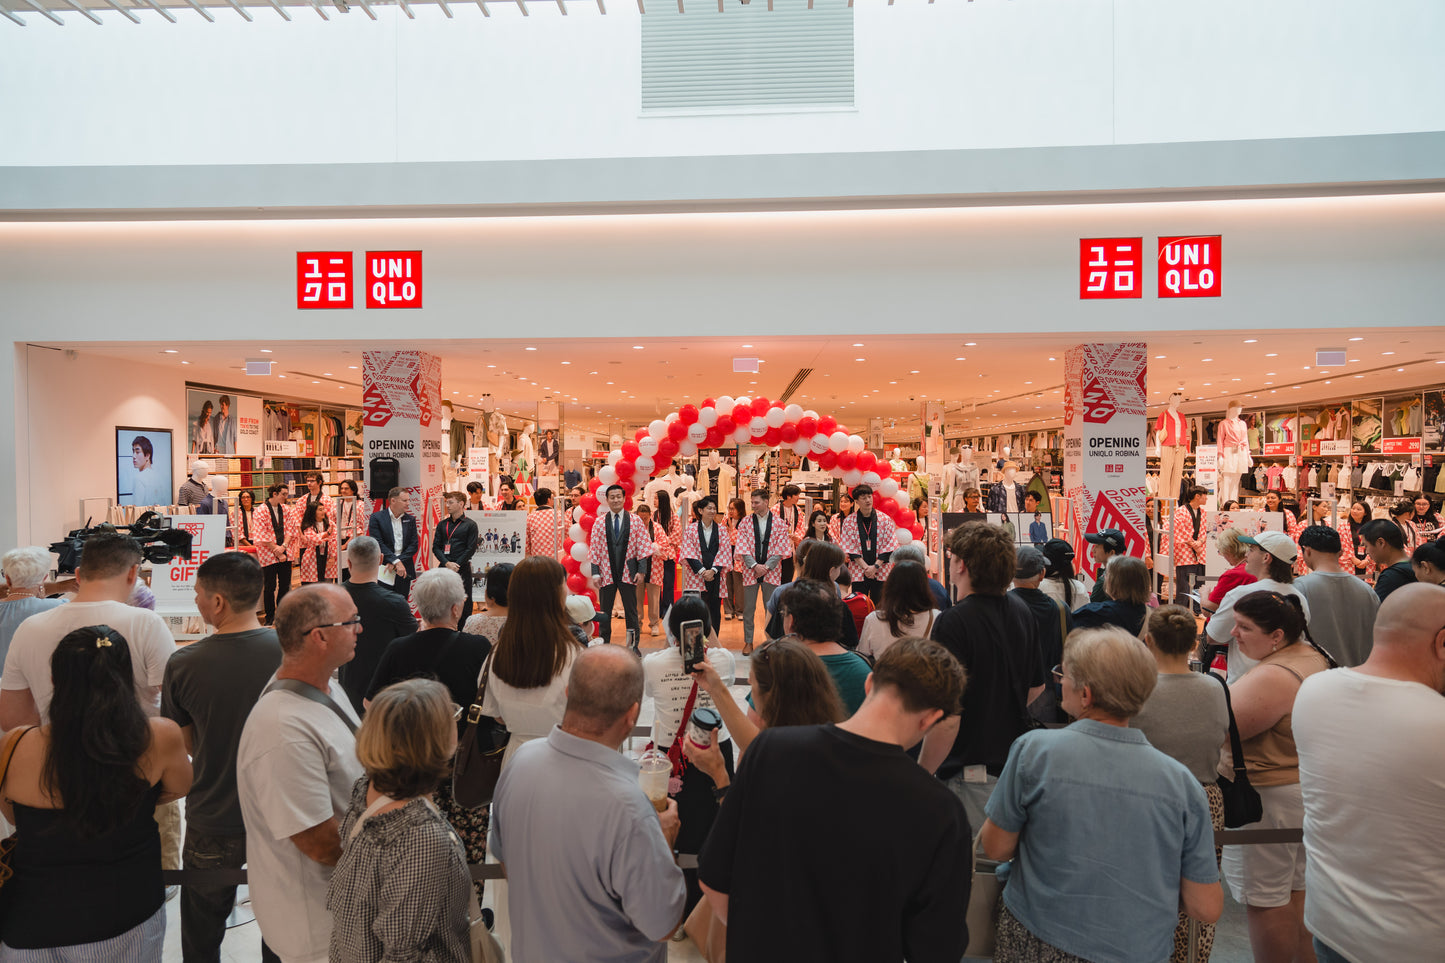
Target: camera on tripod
(159, 542)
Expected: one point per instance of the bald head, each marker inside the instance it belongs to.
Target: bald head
(606, 683)
(1410, 636)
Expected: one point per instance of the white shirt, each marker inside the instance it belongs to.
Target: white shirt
(1373, 780)
(294, 770)
(528, 713)
(1221, 623)
(396, 533)
(27, 664)
(150, 487)
(875, 638)
(669, 686)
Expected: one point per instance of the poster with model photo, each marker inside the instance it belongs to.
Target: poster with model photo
(1434, 420)
(1034, 528)
(950, 521)
(222, 423)
(1404, 418)
(1009, 522)
(501, 537)
(143, 467)
(1368, 425)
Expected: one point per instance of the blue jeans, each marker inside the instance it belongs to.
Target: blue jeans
(1324, 954)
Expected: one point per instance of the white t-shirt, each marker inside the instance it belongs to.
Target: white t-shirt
(1372, 775)
(876, 637)
(27, 664)
(528, 713)
(669, 686)
(151, 487)
(1221, 623)
(294, 770)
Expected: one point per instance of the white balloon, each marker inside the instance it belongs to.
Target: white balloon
(838, 442)
(792, 413)
(800, 447)
(579, 552)
(871, 479)
(852, 477)
(855, 443)
(707, 417)
(696, 432)
(775, 417)
(607, 475)
(687, 448)
(836, 472)
(684, 480)
(725, 404)
(810, 413)
(657, 428)
(672, 416)
(585, 568)
(758, 427)
(614, 456)
(742, 435)
(743, 400)
(576, 534)
(818, 444)
(904, 536)
(648, 446)
(888, 487)
(577, 514)
(645, 465)
(901, 498)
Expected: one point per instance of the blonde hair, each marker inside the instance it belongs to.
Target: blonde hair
(1127, 580)
(1117, 668)
(1229, 545)
(405, 741)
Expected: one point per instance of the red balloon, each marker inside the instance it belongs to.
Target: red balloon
(773, 437)
(714, 438)
(594, 483)
(666, 448)
(839, 427)
(628, 487)
(677, 431)
(587, 522)
(624, 468)
(847, 460)
(577, 582)
(883, 469)
(867, 461)
(725, 425)
(742, 414)
(589, 504)
(570, 564)
(807, 427)
(917, 530)
(828, 460)
(708, 403)
(630, 451)
(760, 406)
(687, 414)
(826, 424)
(788, 433)
(639, 435)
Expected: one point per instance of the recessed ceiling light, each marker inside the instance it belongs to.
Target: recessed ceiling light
(747, 346)
(1159, 357)
(353, 367)
(1251, 340)
(960, 359)
(1272, 354)
(609, 382)
(566, 362)
(1206, 359)
(174, 351)
(1053, 359)
(1357, 339)
(1399, 369)
(265, 350)
(325, 374)
(970, 344)
(1387, 352)
(185, 362)
(280, 376)
(914, 371)
(531, 349)
(637, 347)
(860, 359)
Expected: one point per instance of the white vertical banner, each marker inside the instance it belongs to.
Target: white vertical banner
(1206, 471)
(479, 462)
(248, 426)
(174, 583)
(1104, 443)
(401, 393)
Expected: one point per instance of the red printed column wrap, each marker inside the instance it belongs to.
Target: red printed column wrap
(401, 394)
(1104, 443)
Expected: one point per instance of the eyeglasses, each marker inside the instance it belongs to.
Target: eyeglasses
(332, 625)
(457, 711)
(1058, 673)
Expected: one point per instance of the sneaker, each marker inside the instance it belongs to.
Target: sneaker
(654, 632)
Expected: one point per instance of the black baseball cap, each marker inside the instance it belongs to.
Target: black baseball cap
(1110, 538)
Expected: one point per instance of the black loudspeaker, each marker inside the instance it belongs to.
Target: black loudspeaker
(382, 474)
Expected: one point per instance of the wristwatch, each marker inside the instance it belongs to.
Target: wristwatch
(719, 792)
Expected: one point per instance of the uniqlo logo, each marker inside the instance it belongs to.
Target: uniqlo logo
(323, 279)
(393, 279)
(1190, 267)
(1111, 267)
(1098, 404)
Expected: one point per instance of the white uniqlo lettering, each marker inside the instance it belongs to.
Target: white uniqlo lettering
(1123, 280)
(1099, 259)
(1191, 254)
(1097, 280)
(314, 268)
(313, 291)
(336, 291)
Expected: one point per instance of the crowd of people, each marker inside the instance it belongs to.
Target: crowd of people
(317, 750)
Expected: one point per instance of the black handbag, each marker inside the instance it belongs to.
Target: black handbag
(1242, 804)
(480, 752)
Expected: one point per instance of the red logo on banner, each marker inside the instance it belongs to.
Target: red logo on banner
(377, 411)
(393, 279)
(1098, 403)
(1400, 446)
(1189, 267)
(323, 279)
(1111, 267)
(1108, 515)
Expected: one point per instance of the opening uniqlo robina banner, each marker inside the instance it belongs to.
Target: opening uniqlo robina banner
(1105, 427)
(401, 394)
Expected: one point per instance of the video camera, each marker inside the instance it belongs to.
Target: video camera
(158, 541)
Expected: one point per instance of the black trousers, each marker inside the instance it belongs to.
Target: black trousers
(787, 570)
(712, 595)
(204, 909)
(871, 587)
(1188, 578)
(466, 573)
(606, 595)
(276, 582)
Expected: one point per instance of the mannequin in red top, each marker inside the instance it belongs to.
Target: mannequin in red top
(1171, 437)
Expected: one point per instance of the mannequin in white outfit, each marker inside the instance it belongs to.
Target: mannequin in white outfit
(959, 476)
(897, 463)
(1234, 456)
(1171, 439)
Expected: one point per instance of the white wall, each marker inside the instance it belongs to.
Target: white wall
(941, 76)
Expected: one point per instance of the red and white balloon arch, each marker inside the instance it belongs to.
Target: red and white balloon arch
(726, 422)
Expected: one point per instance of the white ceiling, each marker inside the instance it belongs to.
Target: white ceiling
(997, 383)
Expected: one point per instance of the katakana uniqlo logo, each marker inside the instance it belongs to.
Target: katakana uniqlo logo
(1111, 267)
(323, 279)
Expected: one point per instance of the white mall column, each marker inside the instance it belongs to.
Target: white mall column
(401, 394)
(1104, 443)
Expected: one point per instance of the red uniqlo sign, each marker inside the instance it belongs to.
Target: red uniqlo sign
(393, 279)
(1111, 267)
(323, 279)
(1189, 267)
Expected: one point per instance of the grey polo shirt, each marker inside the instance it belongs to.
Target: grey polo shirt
(589, 873)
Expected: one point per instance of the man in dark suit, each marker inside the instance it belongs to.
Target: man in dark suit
(395, 533)
(454, 543)
(547, 450)
(384, 616)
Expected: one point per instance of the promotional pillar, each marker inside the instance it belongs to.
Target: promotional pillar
(1104, 444)
(401, 394)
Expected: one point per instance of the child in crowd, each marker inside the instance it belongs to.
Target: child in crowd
(859, 604)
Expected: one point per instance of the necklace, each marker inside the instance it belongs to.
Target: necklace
(16, 596)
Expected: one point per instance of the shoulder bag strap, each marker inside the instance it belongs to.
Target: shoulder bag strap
(1063, 621)
(307, 691)
(11, 744)
(381, 801)
(474, 711)
(1236, 748)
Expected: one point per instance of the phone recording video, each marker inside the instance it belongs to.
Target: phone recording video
(692, 644)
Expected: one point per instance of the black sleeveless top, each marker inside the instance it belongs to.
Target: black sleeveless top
(67, 891)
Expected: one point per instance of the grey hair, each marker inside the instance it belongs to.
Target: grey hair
(363, 552)
(26, 567)
(435, 592)
(912, 552)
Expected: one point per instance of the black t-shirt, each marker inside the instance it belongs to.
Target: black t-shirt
(807, 880)
(997, 640)
(1401, 573)
(212, 685)
(1046, 616)
(384, 616)
(452, 658)
(1126, 615)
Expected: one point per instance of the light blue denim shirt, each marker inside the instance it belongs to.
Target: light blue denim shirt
(1108, 825)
